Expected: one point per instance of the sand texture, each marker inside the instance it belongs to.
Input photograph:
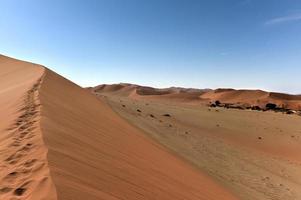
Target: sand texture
(254, 154)
(59, 141)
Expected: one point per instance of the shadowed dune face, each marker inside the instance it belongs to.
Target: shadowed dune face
(94, 154)
(153, 91)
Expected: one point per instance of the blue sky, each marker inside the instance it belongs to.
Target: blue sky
(161, 43)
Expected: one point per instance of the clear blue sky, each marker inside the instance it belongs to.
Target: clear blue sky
(161, 43)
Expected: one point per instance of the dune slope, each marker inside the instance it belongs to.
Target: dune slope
(58, 141)
(94, 154)
(24, 172)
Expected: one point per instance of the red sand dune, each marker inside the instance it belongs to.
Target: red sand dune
(250, 97)
(24, 171)
(143, 92)
(58, 141)
(254, 97)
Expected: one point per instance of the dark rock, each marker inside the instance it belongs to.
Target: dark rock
(19, 191)
(270, 106)
(217, 103)
(290, 112)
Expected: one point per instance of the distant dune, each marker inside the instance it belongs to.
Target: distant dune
(143, 92)
(58, 141)
(250, 97)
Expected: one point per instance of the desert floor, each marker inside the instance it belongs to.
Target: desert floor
(254, 154)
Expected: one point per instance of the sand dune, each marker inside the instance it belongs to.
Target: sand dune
(58, 141)
(254, 97)
(202, 96)
(24, 172)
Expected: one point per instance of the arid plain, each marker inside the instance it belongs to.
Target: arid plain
(254, 154)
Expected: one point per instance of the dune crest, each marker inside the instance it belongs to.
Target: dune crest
(24, 168)
(58, 141)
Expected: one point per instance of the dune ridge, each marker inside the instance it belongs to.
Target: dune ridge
(58, 141)
(24, 170)
(111, 158)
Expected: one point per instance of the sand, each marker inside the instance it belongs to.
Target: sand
(59, 141)
(254, 154)
(200, 96)
(24, 172)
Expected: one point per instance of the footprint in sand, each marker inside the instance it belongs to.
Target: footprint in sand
(22, 133)
(5, 190)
